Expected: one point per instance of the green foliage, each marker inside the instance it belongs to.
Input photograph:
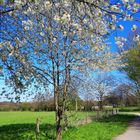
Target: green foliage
(11, 1)
(106, 129)
(0, 67)
(1, 2)
(132, 61)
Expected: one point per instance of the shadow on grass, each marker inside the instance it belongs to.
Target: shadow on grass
(26, 132)
(119, 118)
(130, 109)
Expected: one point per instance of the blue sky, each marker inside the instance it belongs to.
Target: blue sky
(124, 33)
(127, 29)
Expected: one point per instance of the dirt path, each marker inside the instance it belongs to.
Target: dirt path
(133, 132)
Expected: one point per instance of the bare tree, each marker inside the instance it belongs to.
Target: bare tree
(99, 86)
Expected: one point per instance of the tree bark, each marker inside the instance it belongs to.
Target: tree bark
(76, 106)
(58, 110)
(59, 113)
(100, 105)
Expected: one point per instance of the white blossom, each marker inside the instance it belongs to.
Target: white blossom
(99, 13)
(65, 33)
(134, 10)
(57, 17)
(27, 28)
(114, 7)
(113, 27)
(66, 17)
(11, 53)
(114, 17)
(19, 3)
(137, 38)
(121, 27)
(54, 40)
(118, 42)
(42, 33)
(128, 17)
(125, 1)
(120, 39)
(47, 4)
(28, 24)
(136, 5)
(134, 27)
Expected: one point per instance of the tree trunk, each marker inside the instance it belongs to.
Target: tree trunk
(100, 105)
(64, 106)
(59, 112)
(76, 106)
(58, 124)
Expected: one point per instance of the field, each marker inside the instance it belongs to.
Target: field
(21, 126)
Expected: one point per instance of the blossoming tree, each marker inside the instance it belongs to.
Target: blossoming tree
(50, 41)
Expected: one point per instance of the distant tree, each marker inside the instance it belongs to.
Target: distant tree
(97, 87)
(122, 95)
(25, 106)
(43, 102)
(131, 60)
(102, 85)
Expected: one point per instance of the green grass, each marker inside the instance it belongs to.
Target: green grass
(104, 129)
(30, 117)
(130, 109)
(25, 117)
(21, 126)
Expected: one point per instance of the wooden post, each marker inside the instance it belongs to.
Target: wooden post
(76, 106)
(112, 112)
(98, 114)
(87, 117)
(115, 111)
(101, 113)
(37, 127)
(106, 113)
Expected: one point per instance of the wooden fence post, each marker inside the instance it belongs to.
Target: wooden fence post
(37, 127)
(106, 113)
(98, 114)
(112, 112)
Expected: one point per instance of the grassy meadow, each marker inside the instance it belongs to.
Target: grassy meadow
(21, 126)
(25, 117)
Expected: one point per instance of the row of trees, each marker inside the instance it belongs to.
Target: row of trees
(120, 99)
(100, 90)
